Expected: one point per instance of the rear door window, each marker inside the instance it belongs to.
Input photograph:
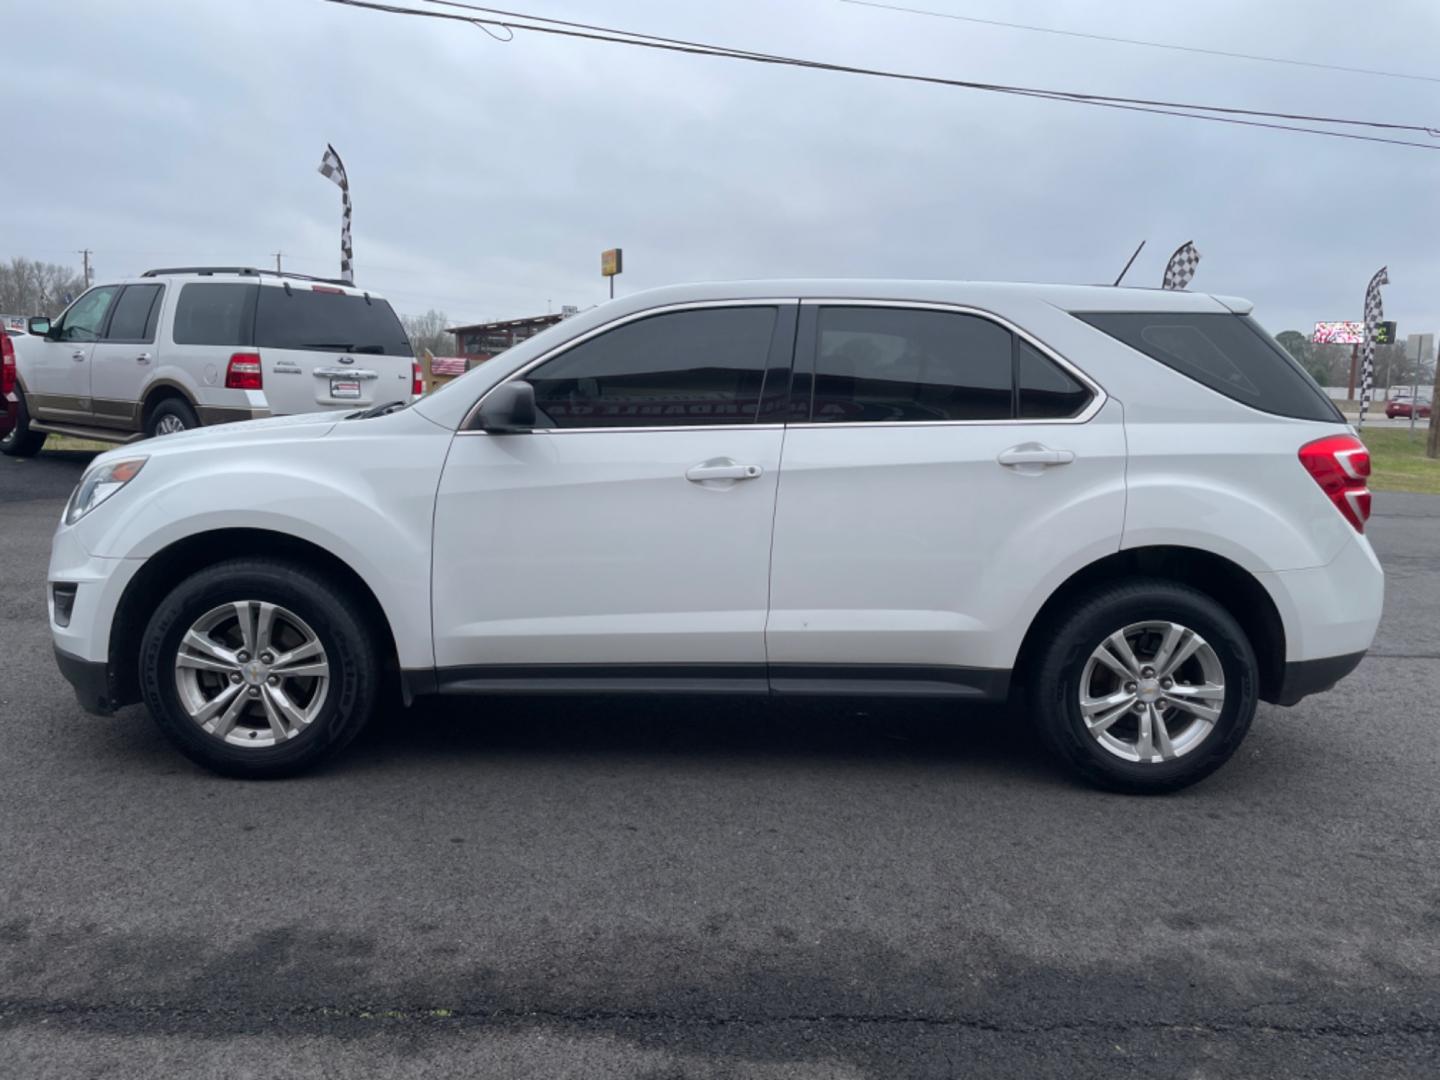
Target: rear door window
(215, 313)
(885, 364)
(1046, 390)
(322, 320)
(1231, 354)
(136, 313)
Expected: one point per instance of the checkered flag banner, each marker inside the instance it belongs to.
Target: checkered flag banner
(332, 168)
(1181, 267)
(1374, 312)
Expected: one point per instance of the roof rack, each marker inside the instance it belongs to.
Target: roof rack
(244, 271)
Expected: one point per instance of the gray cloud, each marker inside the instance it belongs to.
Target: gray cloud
(488, 176)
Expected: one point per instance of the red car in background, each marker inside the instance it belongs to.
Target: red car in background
(9, 400)
(1401, 407)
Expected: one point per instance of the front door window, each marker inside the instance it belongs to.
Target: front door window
(86, 317)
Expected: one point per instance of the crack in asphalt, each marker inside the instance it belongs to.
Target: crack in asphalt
(140, 1019)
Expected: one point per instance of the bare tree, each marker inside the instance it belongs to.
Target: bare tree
(428, 332)
(31, 287)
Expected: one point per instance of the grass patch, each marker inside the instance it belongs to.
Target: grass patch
(1398, 462)
(68, 442)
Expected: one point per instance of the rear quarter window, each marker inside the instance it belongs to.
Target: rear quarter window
(1231, 354)
(215, 313)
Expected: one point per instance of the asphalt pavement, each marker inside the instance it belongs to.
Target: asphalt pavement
(667, 889)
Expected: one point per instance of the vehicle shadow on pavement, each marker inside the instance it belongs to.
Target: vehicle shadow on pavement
(988, 738)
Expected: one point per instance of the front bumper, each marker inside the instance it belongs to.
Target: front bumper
(91, 680)
(82, 644)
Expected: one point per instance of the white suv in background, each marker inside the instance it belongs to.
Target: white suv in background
(181, 348)
(1129, 510)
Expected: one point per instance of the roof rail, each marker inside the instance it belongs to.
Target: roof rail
(244, 271)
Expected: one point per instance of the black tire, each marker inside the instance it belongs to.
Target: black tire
(21, 441)
(337, 621)
(1060, 666)
(171, 407)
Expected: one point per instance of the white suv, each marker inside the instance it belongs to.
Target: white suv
(180, 348)
(1128, 509)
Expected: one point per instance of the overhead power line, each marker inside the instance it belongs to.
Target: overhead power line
(1136, 41)
(511, 21)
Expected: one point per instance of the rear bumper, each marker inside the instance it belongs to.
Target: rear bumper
(1329, 611)
(1305, 677)
(91, 680)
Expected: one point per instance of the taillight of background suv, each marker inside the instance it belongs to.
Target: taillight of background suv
(7, 364)
(1340, 464)
(243, 372)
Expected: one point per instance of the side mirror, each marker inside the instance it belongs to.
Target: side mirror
(39, 326)
(509, 409)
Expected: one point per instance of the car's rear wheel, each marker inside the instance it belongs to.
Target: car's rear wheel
(258, 668)
(171, 417)
(21, 441)
(1147, 686)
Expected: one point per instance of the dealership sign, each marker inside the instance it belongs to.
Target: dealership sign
(1339, 333)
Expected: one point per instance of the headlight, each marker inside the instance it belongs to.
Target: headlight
(99, 484)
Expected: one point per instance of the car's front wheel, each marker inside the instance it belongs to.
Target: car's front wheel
(1146, 686)
(259, 668)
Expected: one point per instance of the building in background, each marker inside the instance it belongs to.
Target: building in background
(481, 341)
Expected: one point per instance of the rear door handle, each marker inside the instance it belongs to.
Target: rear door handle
(143, 358)
(1035, 454)
(78, 354)
(721, 469)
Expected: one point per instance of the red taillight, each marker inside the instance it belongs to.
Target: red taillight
(7, 363)
(1340, 464)
(243, 373)
(417, 382)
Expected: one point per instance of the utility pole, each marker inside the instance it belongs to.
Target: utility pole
(278, 256)
(85, 253)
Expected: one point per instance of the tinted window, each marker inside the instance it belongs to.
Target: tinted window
(302, 318)
(87, 316)
(1228, 353)
(135, 314)
(1047, 391)
(212, 313)
(875, 363)
(687, 367)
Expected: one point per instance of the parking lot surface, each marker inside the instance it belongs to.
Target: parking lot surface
(694, 889)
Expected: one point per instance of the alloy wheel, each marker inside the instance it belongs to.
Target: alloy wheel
(169, 424)
(251, 674)
(1152, 692)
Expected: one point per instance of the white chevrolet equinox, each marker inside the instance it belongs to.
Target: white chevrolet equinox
(1128, 511)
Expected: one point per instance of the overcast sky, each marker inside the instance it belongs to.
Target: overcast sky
(487, 177)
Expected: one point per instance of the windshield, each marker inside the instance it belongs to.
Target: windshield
(301, 318)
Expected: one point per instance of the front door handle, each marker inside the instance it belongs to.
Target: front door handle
(143, 358)
(78, 354)
(1035, 454)
(721, 469)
